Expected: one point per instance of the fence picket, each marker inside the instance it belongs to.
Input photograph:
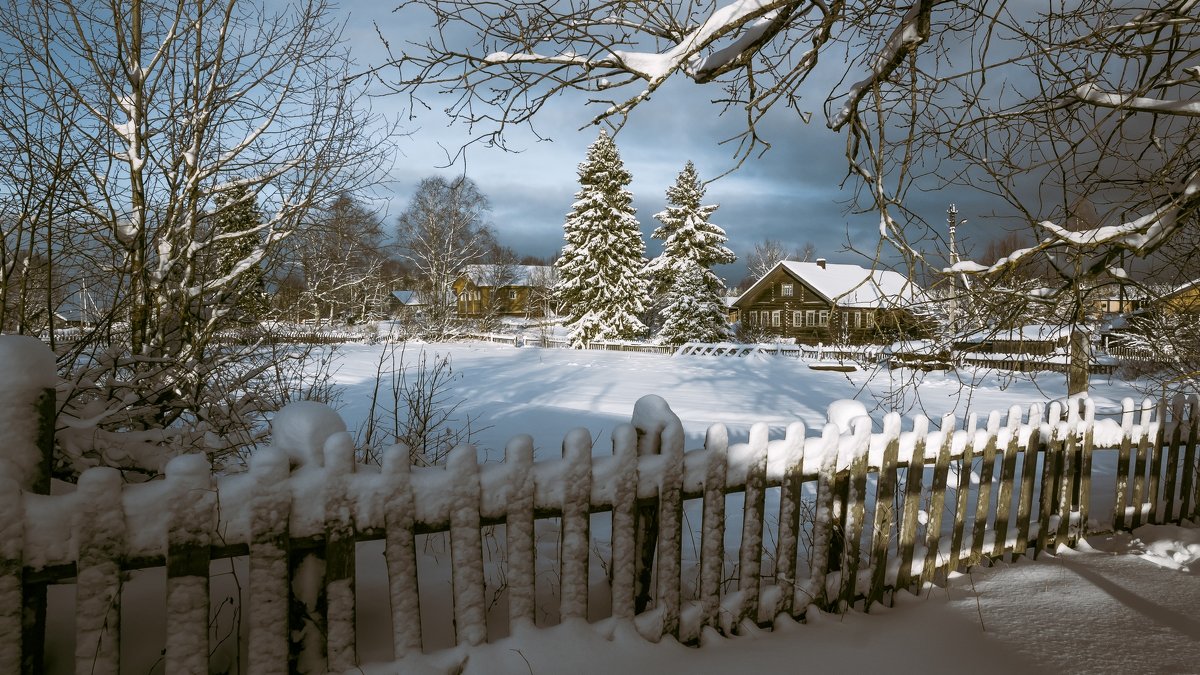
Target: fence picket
(712, 545)
(885, 494)
(12, 544)
(855, 508)
(1153, 485)
(268, 611)
(339, 554)
(1035, 446)
(624, 522)
(99, 527)
(1008, 471)
(1121, 499)
(937, 500)
(1085, 470)
(1188, 497)
(1051, 457)
(188, 540)
(1173, 452)
(575, 542)
(750, 552)
(670, 525)
(466, 547)
(1066, 481)
(983, 504)
(962, 492)
(787, 549)
(519, 531)
(913, 477)
(823, 525)
(1146, 431)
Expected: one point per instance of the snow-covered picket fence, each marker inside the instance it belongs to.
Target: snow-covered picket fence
(846, 517)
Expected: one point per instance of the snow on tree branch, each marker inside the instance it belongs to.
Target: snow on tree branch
(1090, 93)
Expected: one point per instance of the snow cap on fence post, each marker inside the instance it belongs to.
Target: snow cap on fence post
(844, 412)
(301, 428)
(652, 417)
(27, 368)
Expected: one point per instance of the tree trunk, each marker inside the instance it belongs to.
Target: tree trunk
(1078, 361)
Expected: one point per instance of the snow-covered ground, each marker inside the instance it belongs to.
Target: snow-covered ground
(1120, 604)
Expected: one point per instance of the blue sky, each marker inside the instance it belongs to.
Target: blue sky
(792, 193)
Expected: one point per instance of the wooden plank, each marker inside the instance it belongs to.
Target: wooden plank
(575, 532)
(1035, 447)
(1047, 503)
(751, 549)
(1066, 480)
(189, 534)
(99, 527)
(885, 495)
(1154, 481)
(1145, 436)
(855, 509)
(1008, 471)
(787, 548)
(270, 509)
(983, 503)
(624, 522)
(712, 545)
(913, 477)
(12, 546)
(961, 494)
(649, 441)
(669, 580)
(33, 592)
(466, 547)
(1188, 491)
(1085, 470)
(1121, 499)
(340, 647)
(823, 526)
(1173, 451)
(519, 532)
(937, 500)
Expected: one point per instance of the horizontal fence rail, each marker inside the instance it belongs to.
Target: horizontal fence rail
(835, 518)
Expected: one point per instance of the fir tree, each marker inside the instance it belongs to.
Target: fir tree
(691, 313)
(691, 246)
(601, 284)
(244, 295)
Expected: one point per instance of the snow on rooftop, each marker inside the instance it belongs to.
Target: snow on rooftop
(855, 286)
(510, 275)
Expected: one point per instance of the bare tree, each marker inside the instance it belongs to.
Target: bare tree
(769, 252)
(1033, 110)
(443, 230)
(140, 123)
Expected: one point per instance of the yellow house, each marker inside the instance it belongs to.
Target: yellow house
(506, 290)
(1185, 298)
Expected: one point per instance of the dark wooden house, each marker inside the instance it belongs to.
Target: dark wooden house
(828, 303)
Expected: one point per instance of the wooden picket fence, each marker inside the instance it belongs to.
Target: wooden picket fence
(860, 516)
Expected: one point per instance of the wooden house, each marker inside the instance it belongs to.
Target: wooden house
(504, 290)
(821, 302)
(1183, 298)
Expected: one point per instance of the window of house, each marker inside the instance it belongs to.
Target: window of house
(810, 317)
(787, 290)
(870, 319)
(858, 319)
(777, 318)
(823, 317)
(797, 318)
(512, 294)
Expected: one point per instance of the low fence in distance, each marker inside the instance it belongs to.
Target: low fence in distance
(859, 517)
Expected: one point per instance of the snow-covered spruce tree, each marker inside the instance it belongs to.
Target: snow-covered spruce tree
(691, 244)
(691, 312)
(601, 272)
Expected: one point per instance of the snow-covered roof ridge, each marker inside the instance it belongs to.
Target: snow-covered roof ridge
(509, 275)
(850, 285)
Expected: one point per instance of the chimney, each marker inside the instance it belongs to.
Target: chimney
(821, 263)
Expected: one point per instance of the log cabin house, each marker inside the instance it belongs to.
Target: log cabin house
(821, 302)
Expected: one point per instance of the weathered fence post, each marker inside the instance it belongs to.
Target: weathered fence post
(913, 478)
(624, 522)
(712, 546)
(270, 510)
(519, 532)
(750, 552)
(961, 494)
(937, 500)
(189, 536)
(670, 522)
(339, 553)
(1123, 465)
(787, 548)
(466, 547)
(27, 409)
(823, 527)
(885, 494)
(99, 527)
(855, 509)
(399, 551)
(1190, 490)
(575, 538)
(1008, 471)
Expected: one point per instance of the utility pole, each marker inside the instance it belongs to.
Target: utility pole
(952, 223)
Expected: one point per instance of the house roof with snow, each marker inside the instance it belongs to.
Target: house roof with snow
(847, 285)
(510, 275)
(1034, 332)
(407, 298)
